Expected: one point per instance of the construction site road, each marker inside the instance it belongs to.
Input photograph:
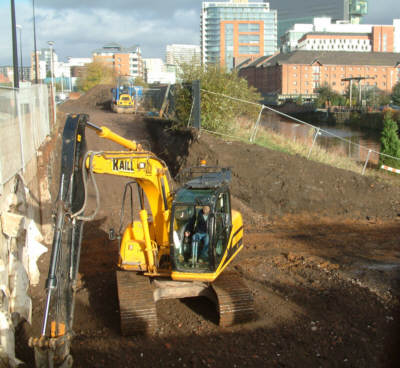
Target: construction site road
(321, 257)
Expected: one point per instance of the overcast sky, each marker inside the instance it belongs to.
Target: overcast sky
(80, 26)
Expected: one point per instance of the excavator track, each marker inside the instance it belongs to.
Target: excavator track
(136, 304)
(235, 302)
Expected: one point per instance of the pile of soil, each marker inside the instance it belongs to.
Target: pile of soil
(274, 183)
(97, 97)
(321, 257)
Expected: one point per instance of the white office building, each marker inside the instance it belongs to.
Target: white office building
(157, 72)
(325, 35)
(182, 54)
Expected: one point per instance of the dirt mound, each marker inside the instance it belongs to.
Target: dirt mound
(98, 96)
(324, 287)
(275, 184)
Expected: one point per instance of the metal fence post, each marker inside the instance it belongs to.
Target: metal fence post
(313, 142)
(255, 129)
(196, 104)
(366, 162)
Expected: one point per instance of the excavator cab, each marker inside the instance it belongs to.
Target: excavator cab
(195, 249)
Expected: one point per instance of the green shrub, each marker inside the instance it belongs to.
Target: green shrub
(390, 142)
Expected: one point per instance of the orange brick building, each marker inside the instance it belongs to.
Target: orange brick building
(287, 76)
(124, 61)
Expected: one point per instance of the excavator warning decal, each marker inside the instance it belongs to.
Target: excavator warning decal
(122, 165)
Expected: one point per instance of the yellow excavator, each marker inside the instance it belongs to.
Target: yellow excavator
(161, 254)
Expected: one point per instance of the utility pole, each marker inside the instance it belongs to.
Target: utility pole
(14, 42)
(20, 52)
(351, 91)
(34, 43)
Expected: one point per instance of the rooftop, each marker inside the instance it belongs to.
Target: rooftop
(331, 58)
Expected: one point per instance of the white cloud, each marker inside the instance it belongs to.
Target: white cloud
(80, 26)
(78, 31)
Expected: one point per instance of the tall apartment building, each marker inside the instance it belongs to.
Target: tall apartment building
(124, 61)
(235, 30)
(322, 34)
(301, 73)
(291, 12)
(182, 54)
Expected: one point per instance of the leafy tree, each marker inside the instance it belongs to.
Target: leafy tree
(96, 73)
(299, 100)
(218, 113)
(390, 142)
(396, 94)
(139, 81)
(354, 94)
(326, 95)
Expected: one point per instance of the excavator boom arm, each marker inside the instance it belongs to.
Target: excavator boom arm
(52, 348)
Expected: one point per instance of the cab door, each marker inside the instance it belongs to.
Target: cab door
(222, 227)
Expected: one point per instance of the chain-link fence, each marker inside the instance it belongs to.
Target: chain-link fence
(263, 125)
(24, 124)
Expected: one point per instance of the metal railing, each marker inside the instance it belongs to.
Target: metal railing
(24, 125)
(263, 125)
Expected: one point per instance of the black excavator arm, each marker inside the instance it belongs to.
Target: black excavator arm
(52, 348)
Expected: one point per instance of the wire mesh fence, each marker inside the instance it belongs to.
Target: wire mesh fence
(24, 124)
(263, 125)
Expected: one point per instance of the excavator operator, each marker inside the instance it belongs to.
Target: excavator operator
(198, 226)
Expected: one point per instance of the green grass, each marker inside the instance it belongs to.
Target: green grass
(335, 158)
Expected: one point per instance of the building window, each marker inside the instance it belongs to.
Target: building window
(295, 67)
(294, 75)
(249, 27)
(305, 75)
(295, 83)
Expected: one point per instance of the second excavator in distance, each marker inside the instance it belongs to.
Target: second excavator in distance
(178, 247)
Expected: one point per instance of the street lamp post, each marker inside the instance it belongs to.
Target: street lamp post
(53, 92)
(20, 52)
(51, 43)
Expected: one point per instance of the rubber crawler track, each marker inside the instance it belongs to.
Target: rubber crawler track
(235, 302)
(136, 304)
